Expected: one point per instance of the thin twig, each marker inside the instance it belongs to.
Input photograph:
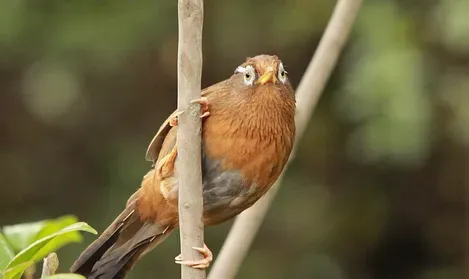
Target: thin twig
(309, 90)
(50, 265)
(190, 16)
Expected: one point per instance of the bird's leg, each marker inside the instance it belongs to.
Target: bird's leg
(173, 121)
(199, 264)
(165, 166)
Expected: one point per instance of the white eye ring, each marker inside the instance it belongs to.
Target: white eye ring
(282, 74)
(249, 74)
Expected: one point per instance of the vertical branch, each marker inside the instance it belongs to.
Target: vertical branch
(190, 20)
(309, 90)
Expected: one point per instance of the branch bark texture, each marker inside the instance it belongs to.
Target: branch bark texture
(50, 265)
(188, 162)
(308, 92)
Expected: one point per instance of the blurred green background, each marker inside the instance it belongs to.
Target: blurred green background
(377, 189)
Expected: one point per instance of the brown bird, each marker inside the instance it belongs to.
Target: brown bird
(248, 134)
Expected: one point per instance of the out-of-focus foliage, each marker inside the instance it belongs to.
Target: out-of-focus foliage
(384, 89)
(34, 241)
(377, 189)
(64, 276)
(6, 252)
(22, 235)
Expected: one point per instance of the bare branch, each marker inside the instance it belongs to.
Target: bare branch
(309, 90)
(190, 14)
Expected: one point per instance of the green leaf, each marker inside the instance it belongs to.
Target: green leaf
(64, 276)
(6, 253)
(34, 251)
(21, 235)
(56, 225)
(17, 271)
(58, 241)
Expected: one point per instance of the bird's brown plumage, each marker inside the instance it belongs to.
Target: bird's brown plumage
(247, 140)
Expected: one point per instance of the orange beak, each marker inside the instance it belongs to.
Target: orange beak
(267, 76)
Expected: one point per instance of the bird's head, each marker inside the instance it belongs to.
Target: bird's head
(262, 72)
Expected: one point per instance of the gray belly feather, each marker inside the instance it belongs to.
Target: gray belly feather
(225, 193)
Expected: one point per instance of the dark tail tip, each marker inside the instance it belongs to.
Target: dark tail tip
(84, 264)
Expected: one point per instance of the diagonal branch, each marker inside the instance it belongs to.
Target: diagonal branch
(309, 90)
(190, 16)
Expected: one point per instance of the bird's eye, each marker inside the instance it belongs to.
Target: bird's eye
(282, 74)
(249, 74)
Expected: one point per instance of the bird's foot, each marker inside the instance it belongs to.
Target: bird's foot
(199, 264)
(203, 101)
(173, 121)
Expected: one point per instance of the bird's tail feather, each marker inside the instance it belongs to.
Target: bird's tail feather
(113, 254)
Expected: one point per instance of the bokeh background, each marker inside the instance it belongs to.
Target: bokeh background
(377, 189)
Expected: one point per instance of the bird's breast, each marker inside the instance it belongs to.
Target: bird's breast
(245, 149)
(238, 176)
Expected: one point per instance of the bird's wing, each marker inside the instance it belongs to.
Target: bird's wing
(156, 143)
(153, 150)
